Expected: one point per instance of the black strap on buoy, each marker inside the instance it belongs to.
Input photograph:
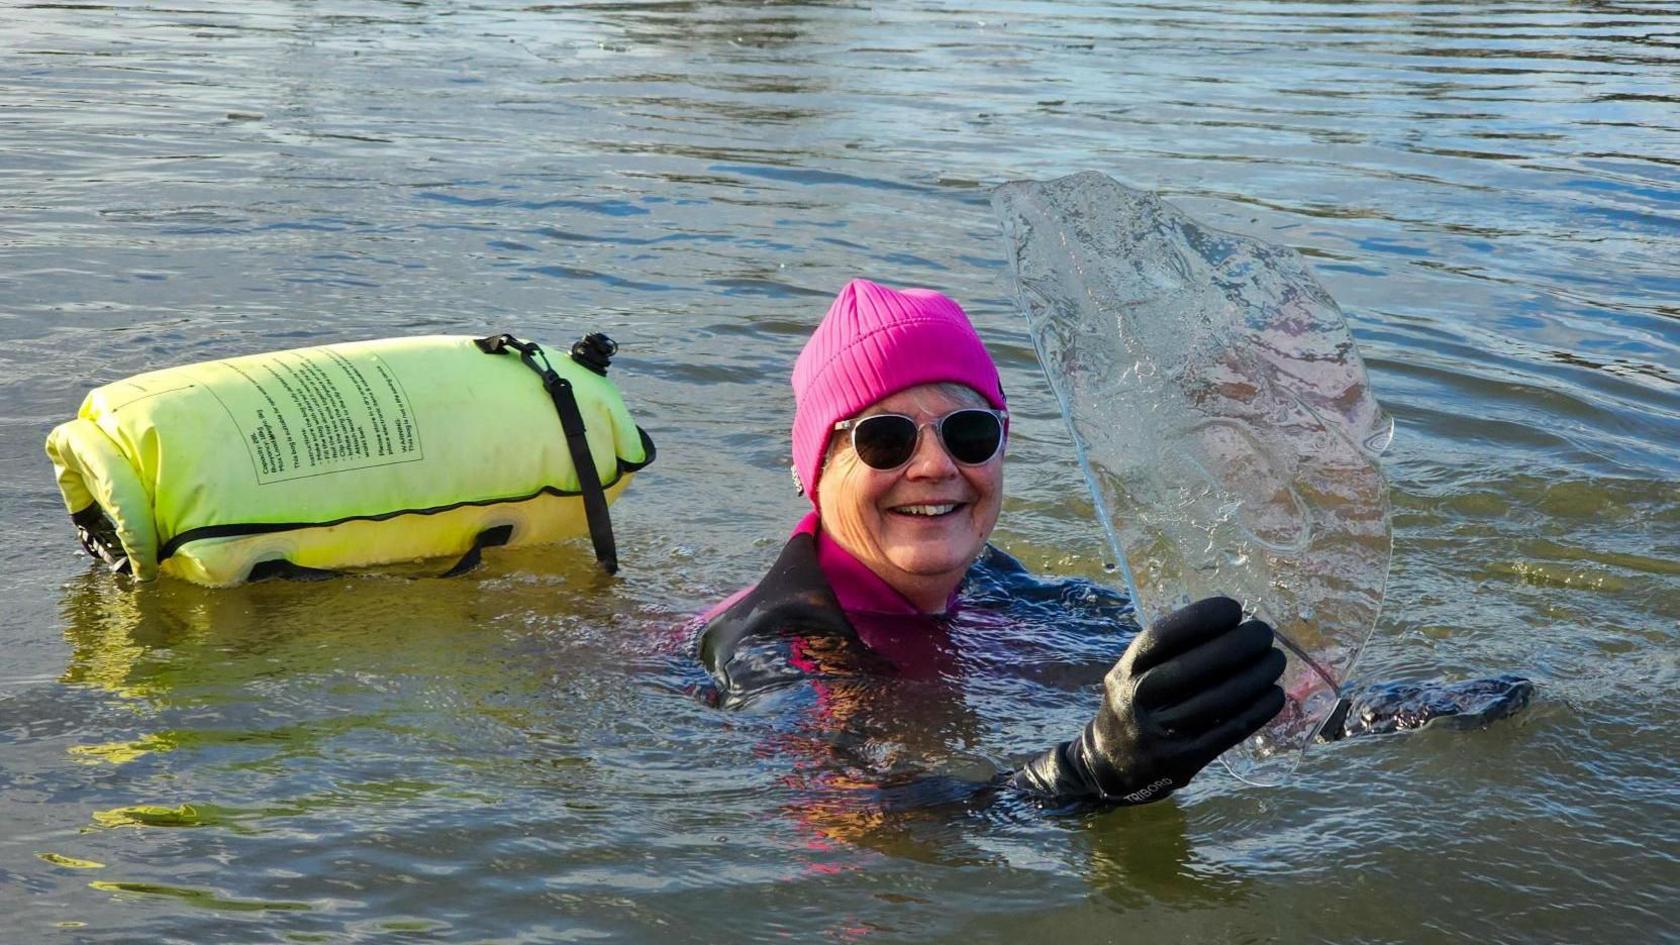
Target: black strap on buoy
(493, 537)
(287, 571)
(597, 349)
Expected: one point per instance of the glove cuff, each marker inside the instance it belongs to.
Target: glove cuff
(1078, 771)
(1109, 782)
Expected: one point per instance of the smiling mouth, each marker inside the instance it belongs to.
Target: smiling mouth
(932, 510)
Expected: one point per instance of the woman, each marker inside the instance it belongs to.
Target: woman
(899, 436)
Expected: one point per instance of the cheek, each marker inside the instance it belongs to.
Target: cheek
(990, 487)
(849, 496)
(988, 482)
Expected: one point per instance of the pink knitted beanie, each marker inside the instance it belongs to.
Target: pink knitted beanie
(873, 343)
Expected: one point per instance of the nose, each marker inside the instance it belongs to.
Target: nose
(930, 461)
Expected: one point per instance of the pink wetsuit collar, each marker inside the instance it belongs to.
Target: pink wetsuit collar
(858, 589)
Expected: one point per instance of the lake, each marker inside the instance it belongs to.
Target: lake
(1491, 191)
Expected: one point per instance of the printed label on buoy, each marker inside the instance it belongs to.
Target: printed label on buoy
(314, 411)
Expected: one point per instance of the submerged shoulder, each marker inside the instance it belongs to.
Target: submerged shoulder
(999, 580)
(767, 634)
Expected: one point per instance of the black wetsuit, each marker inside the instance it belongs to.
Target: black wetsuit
(791, 628)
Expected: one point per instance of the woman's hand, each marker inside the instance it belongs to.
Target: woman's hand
(1192, 685)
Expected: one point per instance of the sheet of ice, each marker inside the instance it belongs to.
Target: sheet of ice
(1223, 420)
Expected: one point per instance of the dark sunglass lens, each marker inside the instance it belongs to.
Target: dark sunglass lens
(972, 436)
(885, 441)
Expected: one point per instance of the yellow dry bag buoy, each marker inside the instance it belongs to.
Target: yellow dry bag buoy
(344, 455)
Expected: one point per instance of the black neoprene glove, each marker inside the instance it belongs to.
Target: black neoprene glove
(1196, 682)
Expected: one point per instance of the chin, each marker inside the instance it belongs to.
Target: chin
(931, 563)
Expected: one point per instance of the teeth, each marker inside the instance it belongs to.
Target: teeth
(926, 509)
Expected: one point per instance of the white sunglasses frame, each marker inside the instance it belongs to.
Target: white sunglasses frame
(850, 427)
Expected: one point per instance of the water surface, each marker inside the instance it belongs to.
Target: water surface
(1491, 190)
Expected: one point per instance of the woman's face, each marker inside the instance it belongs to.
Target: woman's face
(920, 526)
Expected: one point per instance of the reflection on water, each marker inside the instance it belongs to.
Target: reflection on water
(1489, 190)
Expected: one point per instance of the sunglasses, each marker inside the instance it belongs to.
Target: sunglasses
(886, 441)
